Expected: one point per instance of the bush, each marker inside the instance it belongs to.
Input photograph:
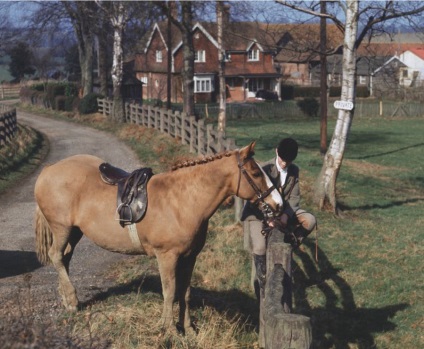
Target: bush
(307, 91)
(309, 106)
(287, 92)
(88, 104)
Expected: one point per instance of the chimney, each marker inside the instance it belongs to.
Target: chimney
(225, 13)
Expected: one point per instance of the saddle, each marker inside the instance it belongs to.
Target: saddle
(132, 191)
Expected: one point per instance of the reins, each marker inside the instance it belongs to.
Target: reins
(265, 207)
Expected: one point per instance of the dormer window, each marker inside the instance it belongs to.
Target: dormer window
(158, 56)
(253, 55)
(200, 56)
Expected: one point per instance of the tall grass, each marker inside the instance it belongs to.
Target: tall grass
(21, 155)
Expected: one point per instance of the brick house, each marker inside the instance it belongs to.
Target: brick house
(249, 62)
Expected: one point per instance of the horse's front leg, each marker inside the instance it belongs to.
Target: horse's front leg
(184, 273)
(167, 269)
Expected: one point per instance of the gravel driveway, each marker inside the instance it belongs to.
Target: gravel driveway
(23, 280)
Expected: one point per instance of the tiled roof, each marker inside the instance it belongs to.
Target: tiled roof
(418, 51)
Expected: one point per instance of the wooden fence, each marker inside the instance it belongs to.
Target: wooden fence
(8, 124)
(202, 138)
(364, 108)
(9, 90)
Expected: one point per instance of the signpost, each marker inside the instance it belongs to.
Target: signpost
(345, 105)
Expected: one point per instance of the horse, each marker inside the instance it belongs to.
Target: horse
(72, 201)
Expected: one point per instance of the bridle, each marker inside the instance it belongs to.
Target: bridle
(266, 209)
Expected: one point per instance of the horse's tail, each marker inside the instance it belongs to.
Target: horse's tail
(43, 237)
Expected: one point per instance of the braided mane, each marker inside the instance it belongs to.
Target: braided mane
(204, 160)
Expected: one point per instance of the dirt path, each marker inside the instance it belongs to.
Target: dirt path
(22, 278)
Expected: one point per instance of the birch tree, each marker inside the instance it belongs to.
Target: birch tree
(118, 13)
(372, 15)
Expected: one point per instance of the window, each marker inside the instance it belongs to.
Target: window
(200, 56)
(227, 57)
(144, 80)
(203, 84)
(256, 84)
(231, 82)
(158, 56)
(253, 55)
(405, 73)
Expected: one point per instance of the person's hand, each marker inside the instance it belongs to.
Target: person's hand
(284, 219)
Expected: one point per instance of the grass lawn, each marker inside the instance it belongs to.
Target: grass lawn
(367, 289)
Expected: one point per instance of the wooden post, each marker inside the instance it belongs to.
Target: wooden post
(278, 327)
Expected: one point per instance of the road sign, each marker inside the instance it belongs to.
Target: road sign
(345, 105)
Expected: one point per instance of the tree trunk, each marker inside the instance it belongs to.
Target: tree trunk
(188, 53)
(102, 58)
(323, 79)
(221, 55)
(118, 22)
(326, 184)
(79, 12)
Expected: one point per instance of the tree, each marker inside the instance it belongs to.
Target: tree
(185, 25)
(82, 15)
(118, 14)
(21, 61)
(372, 15)
(221, 55)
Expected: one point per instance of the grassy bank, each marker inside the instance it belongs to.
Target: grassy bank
(21, 156)
(365, 290)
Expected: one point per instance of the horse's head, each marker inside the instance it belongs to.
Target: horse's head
(253, 184)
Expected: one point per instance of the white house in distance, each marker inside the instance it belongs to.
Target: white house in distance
(412, 75)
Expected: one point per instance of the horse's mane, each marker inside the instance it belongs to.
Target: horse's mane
(193, 162)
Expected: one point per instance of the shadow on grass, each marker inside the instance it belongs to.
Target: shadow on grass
(338, 324)
(13, 263)
(380, 206)
(387, 152)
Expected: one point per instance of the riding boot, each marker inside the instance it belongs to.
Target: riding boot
(260, 265)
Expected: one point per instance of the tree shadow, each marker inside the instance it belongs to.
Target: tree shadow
(340, 322)
(387, 152)
(232, 303)
(13, 263)
(344, 207)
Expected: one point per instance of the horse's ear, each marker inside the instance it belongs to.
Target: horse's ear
(248, 151)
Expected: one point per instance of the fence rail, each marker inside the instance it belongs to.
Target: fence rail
(202, 138)
(366, 108)
(8, 124)
(9, 91)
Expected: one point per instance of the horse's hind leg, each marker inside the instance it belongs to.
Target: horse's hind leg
(64, 241)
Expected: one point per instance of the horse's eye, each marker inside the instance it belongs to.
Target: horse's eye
(257, 174)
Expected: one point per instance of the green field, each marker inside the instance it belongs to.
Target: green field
(366, 289)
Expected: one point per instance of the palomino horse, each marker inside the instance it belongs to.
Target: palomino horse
(72, 200)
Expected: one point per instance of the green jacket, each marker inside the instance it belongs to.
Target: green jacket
(289, 190)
